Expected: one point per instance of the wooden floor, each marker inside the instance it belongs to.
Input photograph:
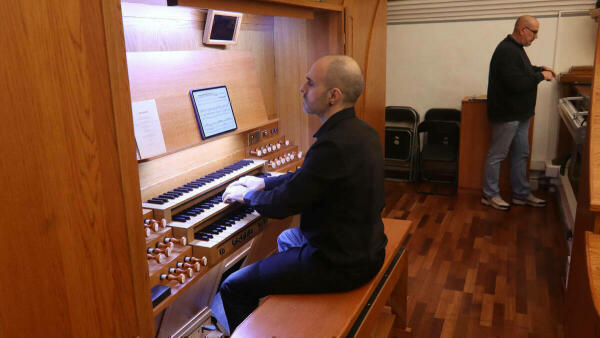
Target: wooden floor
(478, 272)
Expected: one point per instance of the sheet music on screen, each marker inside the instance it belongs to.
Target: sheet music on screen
(213, 111)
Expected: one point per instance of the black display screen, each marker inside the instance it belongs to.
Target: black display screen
(223, 27)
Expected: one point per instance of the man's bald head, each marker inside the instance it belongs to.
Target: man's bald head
(343, 72)
(525, 21)
(526, 30)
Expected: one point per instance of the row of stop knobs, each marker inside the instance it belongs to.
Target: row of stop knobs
(152, 225)
(284, 159)
(163, 249)
(183, 269)
(269, 148)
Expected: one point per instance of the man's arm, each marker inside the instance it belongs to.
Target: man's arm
(302, 189)
(274, 181)
(513, 77)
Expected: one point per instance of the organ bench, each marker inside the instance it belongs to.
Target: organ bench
(358, 313)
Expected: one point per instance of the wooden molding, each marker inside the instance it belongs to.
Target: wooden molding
(594, 135)
(412, 11)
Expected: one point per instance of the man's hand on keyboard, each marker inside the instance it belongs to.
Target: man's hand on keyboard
(234, 193)
(250, 182)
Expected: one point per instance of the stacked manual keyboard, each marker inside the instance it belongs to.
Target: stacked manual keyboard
(170, 203)
(227, 233)
(200, 209)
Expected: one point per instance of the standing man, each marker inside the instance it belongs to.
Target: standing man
(511, 96)
(340, 244)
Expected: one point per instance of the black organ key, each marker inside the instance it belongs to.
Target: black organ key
(190, 186)
(156, 201)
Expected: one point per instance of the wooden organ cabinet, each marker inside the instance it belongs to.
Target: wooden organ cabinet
(82, 243)
(582, 313)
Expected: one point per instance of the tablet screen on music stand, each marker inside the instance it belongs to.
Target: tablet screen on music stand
(213, 111)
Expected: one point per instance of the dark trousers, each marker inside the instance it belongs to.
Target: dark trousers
(296, 270)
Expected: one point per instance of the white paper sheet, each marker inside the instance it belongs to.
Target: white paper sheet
(146, 125)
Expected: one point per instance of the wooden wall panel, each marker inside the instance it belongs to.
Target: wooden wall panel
(299, 43)
(254, 7)
(167, 78)
(577, 319)
(121, 102)
(158, 28)
(69, 240)
(291, 65)
(365, 42)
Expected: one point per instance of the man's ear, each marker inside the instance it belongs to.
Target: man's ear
(335, 96)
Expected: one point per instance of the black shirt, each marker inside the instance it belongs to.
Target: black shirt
(512, 83)
(339, 192)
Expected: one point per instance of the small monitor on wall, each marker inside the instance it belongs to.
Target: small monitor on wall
(213, 111)
(222, 27)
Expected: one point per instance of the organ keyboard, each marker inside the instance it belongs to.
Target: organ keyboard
(186, 220)
(223, 236)
(169, 203)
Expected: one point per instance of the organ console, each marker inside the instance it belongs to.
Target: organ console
(195, 238)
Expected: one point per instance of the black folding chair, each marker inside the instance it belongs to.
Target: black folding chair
(400, 143)
(438, 156)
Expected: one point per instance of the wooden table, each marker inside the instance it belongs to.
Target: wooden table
(475, 135)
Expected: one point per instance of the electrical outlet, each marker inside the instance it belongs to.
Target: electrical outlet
(253, 137)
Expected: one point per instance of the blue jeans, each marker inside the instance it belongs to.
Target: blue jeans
(290, 238)
(513, 136)
(299, 268)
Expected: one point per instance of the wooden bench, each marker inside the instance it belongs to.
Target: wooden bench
(358, 313)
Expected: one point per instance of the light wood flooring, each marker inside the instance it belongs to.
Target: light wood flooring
(478, 272)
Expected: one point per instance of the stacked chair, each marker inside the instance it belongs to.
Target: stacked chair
(438, 156)
(401, 143)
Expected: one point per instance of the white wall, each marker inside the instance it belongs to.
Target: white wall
(437, 64)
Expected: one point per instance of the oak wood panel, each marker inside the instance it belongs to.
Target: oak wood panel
(299, 43)
(155, 28)
(594, 132)
(324, 37)
(254, 7)
(366, 42)
(578, 292)
(121, 98)
(319, 315)
(291, 66)
(67, 171)
(592, 246)
(167, 78)
(310, 4)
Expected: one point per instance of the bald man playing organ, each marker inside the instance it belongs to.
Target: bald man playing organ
(340, 244)
(511, 96)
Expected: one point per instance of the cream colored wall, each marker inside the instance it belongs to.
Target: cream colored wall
(437, 64)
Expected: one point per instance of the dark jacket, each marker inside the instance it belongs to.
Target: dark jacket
(338, 191)
(512, 83)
